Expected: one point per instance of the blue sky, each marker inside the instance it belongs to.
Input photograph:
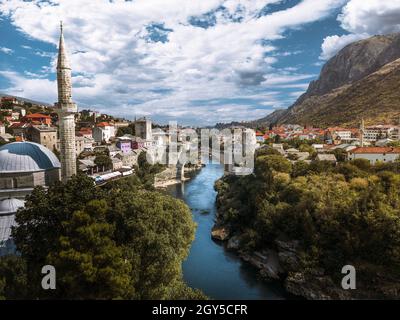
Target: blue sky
(197, 62)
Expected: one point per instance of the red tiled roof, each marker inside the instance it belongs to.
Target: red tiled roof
(37, 115)
(366, 150)
(338, 129)
(103, 124)
(17, 125)
(8, 98)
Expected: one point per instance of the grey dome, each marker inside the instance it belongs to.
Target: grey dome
(10, 205)
(26, 157)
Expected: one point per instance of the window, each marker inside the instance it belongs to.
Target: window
(15, 184)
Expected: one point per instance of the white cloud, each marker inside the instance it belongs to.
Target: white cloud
(33, 88)
(6, 50)
(371, 16)
(362, 19)
(333, 44)
(286, 79)
(117, 68)
(297, 94)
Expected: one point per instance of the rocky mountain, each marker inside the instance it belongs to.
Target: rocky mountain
(362, 80)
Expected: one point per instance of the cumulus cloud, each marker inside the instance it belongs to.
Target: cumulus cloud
(333, 44)
(156, 57)
(371, 16)
(6, 50)
(362, 19)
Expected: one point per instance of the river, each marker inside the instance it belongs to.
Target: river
(219, 273)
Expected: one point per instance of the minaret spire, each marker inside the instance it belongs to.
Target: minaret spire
(66, 111)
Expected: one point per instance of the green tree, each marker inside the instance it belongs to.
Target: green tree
(89, 264)
(300, 168)
(395, 144)
(121, 241)
(40, 222)
(126, 130)
(344, 214)
(268, 163)
(13, 281)
(340, 154)
(307, 148)
(103, 161)
(156, 231)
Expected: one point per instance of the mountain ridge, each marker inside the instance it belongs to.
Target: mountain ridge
(343, 92)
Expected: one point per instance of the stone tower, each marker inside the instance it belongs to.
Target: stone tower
(362, 133)
(66, 113)
(143, 129)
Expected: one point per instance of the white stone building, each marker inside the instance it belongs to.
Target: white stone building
(395, 134)
(375, 133)
(103, 132)
(375, 154)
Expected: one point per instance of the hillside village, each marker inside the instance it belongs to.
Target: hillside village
(376, 143)
(103, 144)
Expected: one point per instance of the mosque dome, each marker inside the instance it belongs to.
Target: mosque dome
(10, 205)
(26, 157)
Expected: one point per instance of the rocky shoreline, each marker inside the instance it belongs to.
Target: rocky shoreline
(282, 263)
(277, 265)
(168, 177)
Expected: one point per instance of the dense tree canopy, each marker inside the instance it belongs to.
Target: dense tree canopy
(119, 241)
(342, 214)
(103, 161)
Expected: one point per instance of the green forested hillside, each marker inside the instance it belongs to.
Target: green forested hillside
(318, 218)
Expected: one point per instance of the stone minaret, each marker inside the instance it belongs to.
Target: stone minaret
(66, 113)
(362, 133)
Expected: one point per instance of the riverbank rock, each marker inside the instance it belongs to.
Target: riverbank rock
(291, 246)
(267, 261)
(233, 243)
(288, 254)
(272, 268)
(314, 288)
(289, 260)
(220, 233)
